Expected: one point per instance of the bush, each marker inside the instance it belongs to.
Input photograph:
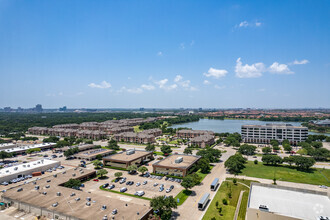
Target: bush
(255, 161)
(225, 202)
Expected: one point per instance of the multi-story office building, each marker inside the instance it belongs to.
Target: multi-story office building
(268, 132)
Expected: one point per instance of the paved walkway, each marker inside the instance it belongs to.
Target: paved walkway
(238, 204)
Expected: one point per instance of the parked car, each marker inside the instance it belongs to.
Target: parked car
(155, 184)
(124, 189)
(115, 211)
(168, 190)
(111, 186)
(323, 187)
(105, 185)
(138, 184)
(145, 182)
(96, 180)
(171, 187)
(139, 193)
(161, 189)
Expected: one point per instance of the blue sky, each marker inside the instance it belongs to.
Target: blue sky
(219, 54)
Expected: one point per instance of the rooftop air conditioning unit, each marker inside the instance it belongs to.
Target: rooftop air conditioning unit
(263, 208)
(73, 194)
(179, 160)
(88, 199)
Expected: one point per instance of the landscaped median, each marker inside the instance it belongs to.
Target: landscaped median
(224, 203)
(122, 193)
(182, 196)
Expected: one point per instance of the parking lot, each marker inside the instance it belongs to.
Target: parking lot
(151, 188)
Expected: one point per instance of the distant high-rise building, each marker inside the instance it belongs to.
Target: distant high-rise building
(63, 109)
(7, 109)
(141, 109)
(38, 108)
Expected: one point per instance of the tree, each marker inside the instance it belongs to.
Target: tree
(235, 163)
(71, 151)
(203, 165)
(274, 143)
(132, 168)
(52, 139)
(102, 172)
(233, 139)
(142, 169)
(317, 144)
(150, 147)
(290, 160)
(62, 143)
(112, 144)
(285, 142)
(247, 149)
(255, 161)
(118, 174)
(164, 206)
(188, 182)
(271, 159)
(287, 147)
(166, 149)
(30, 151)
(73, 183)
(266, 150)
(97, 164)
(321, 154)
(4, 155)
(304, 163)
(187, 150)
(210, 154)
(276, 148)
(99, 157)
(234, 181)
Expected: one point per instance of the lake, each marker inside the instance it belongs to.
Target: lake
(228, 125)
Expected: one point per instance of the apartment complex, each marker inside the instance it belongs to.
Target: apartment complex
(146, 136)
(202, 141)
(127, 158)
(268, 132)
(185, 133)
(273, 202)
(175, 165)
(91, 130)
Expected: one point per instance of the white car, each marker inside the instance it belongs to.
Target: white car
(138, 184)
(323, 187)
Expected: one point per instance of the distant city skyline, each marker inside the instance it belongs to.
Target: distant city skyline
(164, 54)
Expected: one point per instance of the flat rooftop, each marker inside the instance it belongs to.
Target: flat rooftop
(67, 203)
(291, 202)
(91, 153)
(122, 156)
(25, 166)
(169, 161)
(274, 125)
(24, 148)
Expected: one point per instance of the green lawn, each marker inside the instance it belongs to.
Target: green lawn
(203, 175)
(137, 129)
(286, 173)
(159, 153)
(182, 196)
(126, 194)
(228, 211)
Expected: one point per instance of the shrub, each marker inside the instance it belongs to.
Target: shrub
(225, 202)
(255, 161)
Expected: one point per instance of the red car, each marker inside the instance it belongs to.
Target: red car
(96, 180)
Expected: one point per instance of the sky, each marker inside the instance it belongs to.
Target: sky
(165, 54)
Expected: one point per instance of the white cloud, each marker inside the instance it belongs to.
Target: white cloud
(131, 90)
(206, 82)
(215, 73)
(147, 87)
(297, 62)
(219, 87)
(102, 85)
(161, 83)
(249, 71)
(160, 53)
(245, 24)
(185, 84)
(182, 46)
(280, 68)
(258, 24)
(178, 78)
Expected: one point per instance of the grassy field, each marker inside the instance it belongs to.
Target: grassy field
(137, 129)
(203, 175)
(182, 196)
(228, 211)
(286, 173)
